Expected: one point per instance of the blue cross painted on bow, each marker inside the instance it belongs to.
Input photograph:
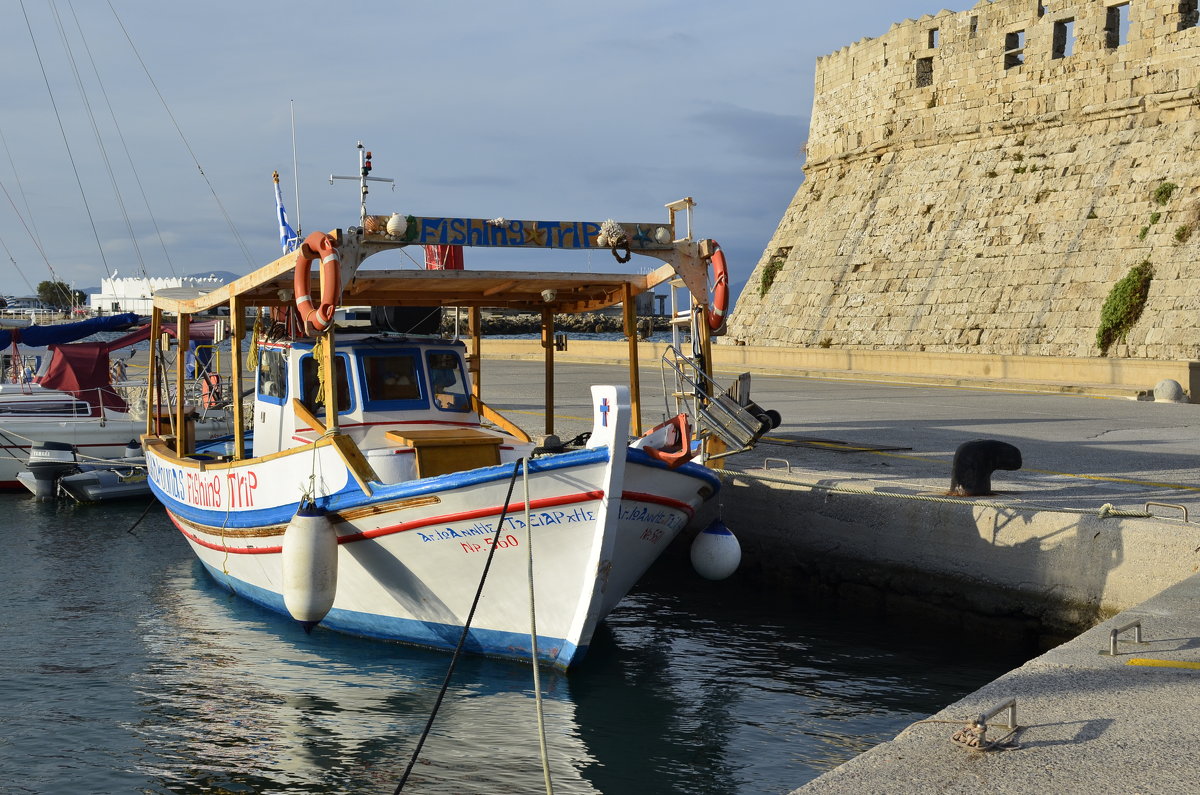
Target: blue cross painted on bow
(604, 409)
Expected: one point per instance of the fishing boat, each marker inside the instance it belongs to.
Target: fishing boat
(75, 394)
(384, 516)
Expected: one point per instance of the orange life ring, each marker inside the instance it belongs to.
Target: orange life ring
(720, 291)
(318, 244)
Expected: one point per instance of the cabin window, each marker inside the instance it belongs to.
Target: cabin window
(1064, 38)
(447, 381)
(312, 398)
(45, 408)
(392, 377)
(272, 375)
(391, 380)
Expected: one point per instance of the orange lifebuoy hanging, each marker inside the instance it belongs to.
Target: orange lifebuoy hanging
(318, 244)
(719, 304)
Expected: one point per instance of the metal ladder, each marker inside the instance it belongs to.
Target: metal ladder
(716, 411)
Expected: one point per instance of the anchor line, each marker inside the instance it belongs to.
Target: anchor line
(462, 638)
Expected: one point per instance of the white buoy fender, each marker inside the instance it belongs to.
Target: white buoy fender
(310, 558)
(716, 552)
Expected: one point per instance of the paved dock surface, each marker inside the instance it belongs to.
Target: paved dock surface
(1089, 722)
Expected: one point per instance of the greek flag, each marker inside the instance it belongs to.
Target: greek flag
(287, 237)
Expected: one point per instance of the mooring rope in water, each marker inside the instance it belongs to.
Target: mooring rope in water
(151, 504)
(462, 638)
(1105, 511)
(533, 644)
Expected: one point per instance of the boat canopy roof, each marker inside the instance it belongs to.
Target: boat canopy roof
(59, 333)
(534, 291)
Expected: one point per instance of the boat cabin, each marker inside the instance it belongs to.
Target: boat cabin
(401, 399)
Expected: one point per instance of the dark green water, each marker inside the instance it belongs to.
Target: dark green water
(125, 670)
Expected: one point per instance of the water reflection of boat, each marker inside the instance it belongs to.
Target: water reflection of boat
(237, 697)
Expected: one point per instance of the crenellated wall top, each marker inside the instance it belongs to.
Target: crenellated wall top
(999, 62)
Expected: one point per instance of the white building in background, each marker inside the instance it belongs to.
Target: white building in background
(133, 293)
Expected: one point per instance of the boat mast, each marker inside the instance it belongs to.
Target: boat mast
(364, 168)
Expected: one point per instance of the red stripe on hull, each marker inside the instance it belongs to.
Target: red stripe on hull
(460, 516)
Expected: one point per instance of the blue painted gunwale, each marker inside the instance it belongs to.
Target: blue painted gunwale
(351, 496)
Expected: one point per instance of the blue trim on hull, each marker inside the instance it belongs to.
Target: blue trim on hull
(490, 643)
(352, 497)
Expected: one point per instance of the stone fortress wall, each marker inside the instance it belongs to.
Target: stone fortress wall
(976, 182)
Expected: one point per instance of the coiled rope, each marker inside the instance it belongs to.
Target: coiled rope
(1105, 511)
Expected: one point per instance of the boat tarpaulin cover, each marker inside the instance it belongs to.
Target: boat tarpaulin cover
(45, 336)
(82, 370)
(444, 258)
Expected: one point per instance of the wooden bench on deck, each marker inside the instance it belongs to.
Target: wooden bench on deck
(442, 451)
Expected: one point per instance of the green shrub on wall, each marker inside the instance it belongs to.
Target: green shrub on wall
(1124, 305)
(771, 270)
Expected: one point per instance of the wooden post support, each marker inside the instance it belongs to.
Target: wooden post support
(237, 330)
(328, 362)
(152, 398)
(182, 339)
(635, 394)
(474, 366)
(548, 348)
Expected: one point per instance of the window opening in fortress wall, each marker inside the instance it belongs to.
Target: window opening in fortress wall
(1064, 38)
(1014, 49)
(1116, 26)
(1041, 9)
(933, 39)
(974, 27)
(924, 72)
(1188, 16)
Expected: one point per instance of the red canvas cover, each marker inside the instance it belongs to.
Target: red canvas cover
(443, 258)
(81, 368)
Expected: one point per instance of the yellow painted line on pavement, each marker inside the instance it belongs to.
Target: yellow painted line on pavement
(1140, 661)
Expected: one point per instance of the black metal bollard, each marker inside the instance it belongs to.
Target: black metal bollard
(974, 463)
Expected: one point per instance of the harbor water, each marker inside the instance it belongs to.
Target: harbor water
(127, 670)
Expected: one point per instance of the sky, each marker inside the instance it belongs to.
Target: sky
(155, 157)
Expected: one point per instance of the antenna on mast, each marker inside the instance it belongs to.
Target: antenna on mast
(296, 172)
(364, 168)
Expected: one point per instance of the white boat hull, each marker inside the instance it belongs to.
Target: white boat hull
(409, 566)
(411, 555)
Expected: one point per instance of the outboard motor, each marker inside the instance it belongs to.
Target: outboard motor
(49, 461)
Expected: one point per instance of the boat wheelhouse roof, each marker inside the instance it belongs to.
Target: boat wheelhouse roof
(272, 284)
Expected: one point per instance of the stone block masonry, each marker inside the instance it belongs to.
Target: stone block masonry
(977, 182)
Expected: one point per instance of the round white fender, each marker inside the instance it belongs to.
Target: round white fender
(716, 552)
(310, 559)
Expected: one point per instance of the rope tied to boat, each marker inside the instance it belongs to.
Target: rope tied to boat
(462, 638)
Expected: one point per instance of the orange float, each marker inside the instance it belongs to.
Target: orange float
(318, 245)
(719, 304)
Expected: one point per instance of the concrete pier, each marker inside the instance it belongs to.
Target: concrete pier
(1099, 528)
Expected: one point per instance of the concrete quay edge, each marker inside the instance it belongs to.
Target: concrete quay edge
(1089, 722)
